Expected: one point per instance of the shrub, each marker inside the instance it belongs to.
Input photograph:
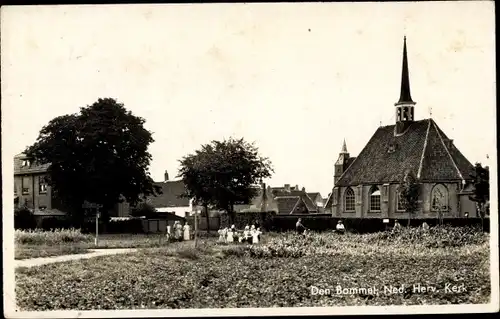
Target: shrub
(24, 218)
(49, 223)
(57, 236)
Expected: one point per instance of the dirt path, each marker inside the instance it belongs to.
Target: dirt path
(33, 262)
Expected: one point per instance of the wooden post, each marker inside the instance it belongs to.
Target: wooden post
(195, 229)
(97, 227)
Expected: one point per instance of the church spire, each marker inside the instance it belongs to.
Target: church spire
(405, 95)
(405, 113)
(344, 148)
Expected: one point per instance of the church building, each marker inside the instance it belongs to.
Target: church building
(367, 186)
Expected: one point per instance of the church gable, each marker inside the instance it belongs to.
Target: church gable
(437, 161)
(462, 163)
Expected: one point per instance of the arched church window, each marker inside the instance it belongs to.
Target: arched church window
(349, 200)
(400, 200)
(375, 199)
(439, 198)
(405, 114)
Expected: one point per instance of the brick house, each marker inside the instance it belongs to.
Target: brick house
(30, 187)
(31, 190)
(367, 185)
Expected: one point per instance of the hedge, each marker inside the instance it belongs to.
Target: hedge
(265, 219)
(364, 225)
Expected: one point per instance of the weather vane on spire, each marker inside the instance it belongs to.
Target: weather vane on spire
(430, 112)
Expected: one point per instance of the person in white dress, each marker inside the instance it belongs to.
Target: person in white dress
(230, 237)
(221, 234)
(169, 230)
(187, 232)
(246, 234)
(255, 236)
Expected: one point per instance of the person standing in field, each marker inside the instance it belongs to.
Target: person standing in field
(397, 226)
(301, 229)
(230, 237)
(340, 227)
(256, 236)
(425, 227)
(221, 234)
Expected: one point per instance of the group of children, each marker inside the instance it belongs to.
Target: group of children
(250, 234)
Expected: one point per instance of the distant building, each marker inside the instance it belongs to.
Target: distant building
(292, 200)
(171, 199)
(32, 190)
(30, 186)
(368, 185)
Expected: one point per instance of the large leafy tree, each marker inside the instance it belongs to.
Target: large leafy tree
(410, 194)
(481, 181)
(98, 155)
(222, 174)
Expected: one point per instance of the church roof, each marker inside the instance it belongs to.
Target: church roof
(423, 149)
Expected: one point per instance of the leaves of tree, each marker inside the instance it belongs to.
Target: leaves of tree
(222, 173)
(98, 155)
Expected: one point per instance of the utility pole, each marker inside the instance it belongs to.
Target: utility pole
(90, 206)
(195, 228)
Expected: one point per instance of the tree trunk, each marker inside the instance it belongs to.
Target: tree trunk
(231, 214)
(208, 219)
(482, 214)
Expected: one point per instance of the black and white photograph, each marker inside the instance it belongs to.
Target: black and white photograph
(248, 159)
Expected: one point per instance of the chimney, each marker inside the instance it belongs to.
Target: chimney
(450, 143)
(287, 187)
(304, 189)
(296, 187)
(166, 176)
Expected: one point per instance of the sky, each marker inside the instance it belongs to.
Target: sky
(295, 79)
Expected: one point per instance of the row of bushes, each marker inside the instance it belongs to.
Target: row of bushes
(54, 237)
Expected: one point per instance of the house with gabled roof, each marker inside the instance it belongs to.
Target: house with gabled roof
(368, 185)
(292, 200)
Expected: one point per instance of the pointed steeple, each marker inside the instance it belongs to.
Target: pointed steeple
(405, 95)
(344, 148)
(405, 112)
(340, 164)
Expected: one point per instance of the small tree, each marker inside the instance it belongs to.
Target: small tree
(481, 181)
(410, 194)
(222, 174)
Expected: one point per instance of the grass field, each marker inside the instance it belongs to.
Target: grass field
(279, 272)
